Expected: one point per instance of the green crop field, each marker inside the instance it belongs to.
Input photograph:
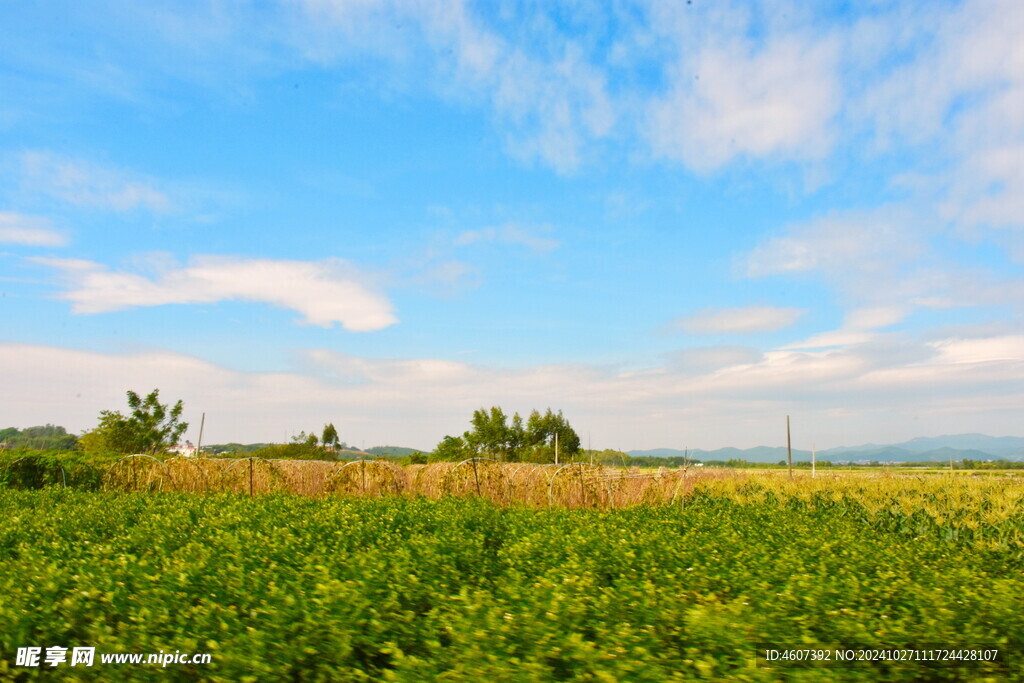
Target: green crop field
(286, 587)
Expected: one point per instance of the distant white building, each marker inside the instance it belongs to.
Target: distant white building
(187, 450)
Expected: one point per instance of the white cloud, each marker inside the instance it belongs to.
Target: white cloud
(861, 242)
(509, 234)
(705, 359)
(735, 100)
(32, 231)
(884, 392)
(859, 327)
(874, 317)
(984, 350)
(551, 105)
(87, 185)
(961, 98)
(324, 292)
(744, 320)
(882, 261)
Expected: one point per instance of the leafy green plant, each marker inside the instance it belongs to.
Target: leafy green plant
(342, 588)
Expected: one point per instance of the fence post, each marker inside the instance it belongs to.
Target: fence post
(789, 449)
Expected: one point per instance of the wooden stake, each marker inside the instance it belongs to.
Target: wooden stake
(556, 448)
(813, 458)
(199, 446)
(789, 449)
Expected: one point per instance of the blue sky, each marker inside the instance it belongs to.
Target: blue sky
(676, 222)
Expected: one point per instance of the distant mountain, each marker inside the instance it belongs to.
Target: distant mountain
(664, 453)
(847, 449)
(944, 454)
(756, 454)
(393, 450)
(924, 449)
(996, 445)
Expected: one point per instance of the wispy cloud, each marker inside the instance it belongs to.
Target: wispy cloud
(32, 231)
(509, 234)
(547, 97)
(863, 242)
(859, 327)
(324, 292)
(735, 100)
(881, 260)
(704, 359)
(88, 185)
(728, 397)
(960, 97)
(743, 320)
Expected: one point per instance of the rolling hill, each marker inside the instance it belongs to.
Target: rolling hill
(923, 449)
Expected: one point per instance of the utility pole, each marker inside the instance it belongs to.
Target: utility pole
(556, 448)
(789, 449)
(199, 444)
(814, 453)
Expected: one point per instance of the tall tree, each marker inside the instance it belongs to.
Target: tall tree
(330, 436)
(516, 438)
(451, 448)
(541, 431)
(492, 435)
(151, 427)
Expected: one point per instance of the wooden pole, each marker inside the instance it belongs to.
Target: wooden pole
(250, 477)
(814, 453)
(789, 449)
(199, 444)
(556, 448)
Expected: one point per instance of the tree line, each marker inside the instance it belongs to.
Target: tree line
(152, 427)
(42, 437)
(492, 434)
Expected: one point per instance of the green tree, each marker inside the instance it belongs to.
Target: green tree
(541, 431)
(330, 436)
(151, 427)
(41, 437)
(417, 458)
(493, 435)
(489, 435)
(516, 438)
(451, 448)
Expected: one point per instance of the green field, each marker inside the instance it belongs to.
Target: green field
(287, 587)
